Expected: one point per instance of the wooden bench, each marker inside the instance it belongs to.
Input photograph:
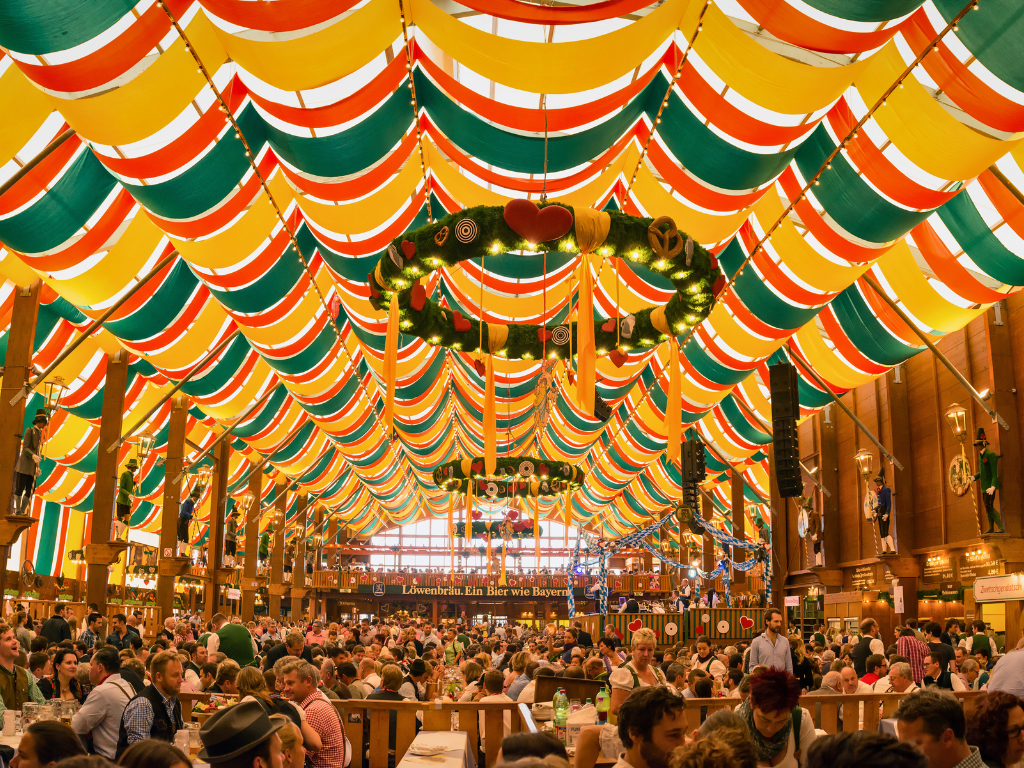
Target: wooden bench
(437, 716)
(574, 688)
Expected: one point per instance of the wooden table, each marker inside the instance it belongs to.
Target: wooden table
(458, 754)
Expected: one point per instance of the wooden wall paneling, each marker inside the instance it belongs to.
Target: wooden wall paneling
(898, 441)
(828, 476)
(809, 458)
(924, 461)
(849, 486)
(1002, 382)
(780, 562)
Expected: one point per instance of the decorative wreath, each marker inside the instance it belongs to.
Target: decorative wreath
(521, 530)
(484, 231)
(514, 476)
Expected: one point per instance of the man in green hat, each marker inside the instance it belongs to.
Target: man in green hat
(27, 469)
(126, 490)
(988, 473)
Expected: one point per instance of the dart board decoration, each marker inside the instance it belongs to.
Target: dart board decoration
(521, 225)
(525, 477)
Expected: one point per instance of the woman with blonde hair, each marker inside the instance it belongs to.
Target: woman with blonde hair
(292, 754)
(802, 668)
(252, 686)
(638, 671)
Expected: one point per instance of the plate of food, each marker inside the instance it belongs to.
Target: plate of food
(427, 750)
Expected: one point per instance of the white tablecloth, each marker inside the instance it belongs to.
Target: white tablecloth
(457, 754)
(11, 741)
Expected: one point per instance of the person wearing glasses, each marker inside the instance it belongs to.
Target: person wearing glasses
(996, 727)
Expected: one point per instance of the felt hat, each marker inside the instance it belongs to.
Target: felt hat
(133, 464)
(981, 439)
(234, 731)
(418, 667)
(42, 416)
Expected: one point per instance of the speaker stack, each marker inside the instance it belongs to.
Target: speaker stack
(785, 400)
(691, 464)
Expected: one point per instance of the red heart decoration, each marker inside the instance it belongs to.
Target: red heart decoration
(477, 515)
(418, 298)
(408, 248)
(617, 633)
(609, 324)
(543, 334)
(719, 285)
(373, 290)
(633, 626)
(477, 466)
(570, 376)
(618, 357)
(461, 324)
(746, 622)
(513, 515)
(543, 470)
(700, 629)
(537, 225)
(480, 367)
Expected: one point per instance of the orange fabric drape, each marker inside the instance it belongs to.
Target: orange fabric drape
(391, 364)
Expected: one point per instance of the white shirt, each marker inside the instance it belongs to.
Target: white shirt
(715, 668)
(373, 679)
(101, 714)
(528, 694)
(506, 715)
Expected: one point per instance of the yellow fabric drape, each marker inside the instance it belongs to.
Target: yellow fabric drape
(490, 421)
(503, 581)
(488, 534)
(591, 230)
(674, 409)
(568, 517)
(536, 529)
(391, 364)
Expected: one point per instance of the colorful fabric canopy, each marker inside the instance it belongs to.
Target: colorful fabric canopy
(347, 136)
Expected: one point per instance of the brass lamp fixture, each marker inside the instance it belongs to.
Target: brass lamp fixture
(144, 446)
(956, 415)
(53, 391)
(865, 462)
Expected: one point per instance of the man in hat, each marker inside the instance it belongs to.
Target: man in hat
(126, 489)
(988, 473)
(27, 469)
(242, 736)
(231, 538)
(883, 514)
(185, 514)
(411, 683)
(814, 532)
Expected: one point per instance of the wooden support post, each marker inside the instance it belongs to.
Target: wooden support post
(739, 527)
(318, 527)
(828, 476)
(17, 372)
(277, 588)
(215, 538)
(299, 566)
(707, 511)
(1003, 385)
(332, 543)
(170, 565)
(101, 552)
(779, 524)
(252, 544)
(897, 398)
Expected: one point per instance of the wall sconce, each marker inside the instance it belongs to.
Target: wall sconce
(245, 503)
(956, 416)
(865, 461)
(144, 446)
(53, 391)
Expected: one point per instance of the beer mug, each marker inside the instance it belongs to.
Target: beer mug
(29, 714)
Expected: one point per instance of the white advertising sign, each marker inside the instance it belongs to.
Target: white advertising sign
(792, 601)
(990, 589)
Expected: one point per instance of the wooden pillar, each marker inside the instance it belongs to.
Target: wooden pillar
(276, 588)
(16, 374)
(780, 564)
(100, 554)
(739, 527)
(1002, 384)
(215, 538)
(170, 565)
(299, 566)
(828, 476)
(707, 511)
(332, 539)
(316, 603)
(252, 543)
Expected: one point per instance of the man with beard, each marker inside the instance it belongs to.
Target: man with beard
(651, 724)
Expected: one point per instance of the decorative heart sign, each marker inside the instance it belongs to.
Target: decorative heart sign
(543, 334)
(480, 367)
(418, 298)
(409, 249)
(537, 225)
(477, 466)
(618, 357)
(633, 626)
(609, 325)
(746, 622)
(461, 324)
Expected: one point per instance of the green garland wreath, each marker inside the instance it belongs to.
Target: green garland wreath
(478, 530)
(474, 233)
(523, 476)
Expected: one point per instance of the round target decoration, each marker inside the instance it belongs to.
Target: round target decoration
(705, 618)
(723, 627)
(560, 334)
(466, 231)
(492, 489)
(526, 468)
(671, 629)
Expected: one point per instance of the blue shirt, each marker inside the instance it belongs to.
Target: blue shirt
(1009, 674)
(88, 637)
(185, 512)
(517, 686)
(884, 496)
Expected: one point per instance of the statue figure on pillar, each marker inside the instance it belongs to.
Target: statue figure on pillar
(185, 515)
(231, 538)
(988, 474)
(883, 514)
(27, 469)
(814, 532)
(126, 490)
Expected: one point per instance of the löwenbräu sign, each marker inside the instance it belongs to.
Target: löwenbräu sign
(465, 591)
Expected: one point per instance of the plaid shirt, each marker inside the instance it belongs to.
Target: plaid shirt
(88, 637)
(914, 651)
(139, 716)
(325, 720)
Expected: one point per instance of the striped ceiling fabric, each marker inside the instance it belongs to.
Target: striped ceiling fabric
(274, 149)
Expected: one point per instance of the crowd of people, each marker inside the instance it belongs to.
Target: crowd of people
(285, 677)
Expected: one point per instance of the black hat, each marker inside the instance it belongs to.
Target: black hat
(981, 437)
(41, 416)
(418, 667)
(234, 731)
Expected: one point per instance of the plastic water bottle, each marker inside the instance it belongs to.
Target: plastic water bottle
(560, 705)
(604, 703)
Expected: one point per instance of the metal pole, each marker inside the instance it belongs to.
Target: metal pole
(241, 417)
(198, 367)
(942, 358)
(43, 154)
(93, 327)
(860, 425)
(767, 428)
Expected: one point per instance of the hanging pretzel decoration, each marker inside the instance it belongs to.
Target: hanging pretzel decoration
(661, 242)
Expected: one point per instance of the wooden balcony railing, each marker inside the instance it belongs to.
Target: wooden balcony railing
(441, 585)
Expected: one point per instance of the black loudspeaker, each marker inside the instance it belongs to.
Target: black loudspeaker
(691, 461)
(785, 401)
